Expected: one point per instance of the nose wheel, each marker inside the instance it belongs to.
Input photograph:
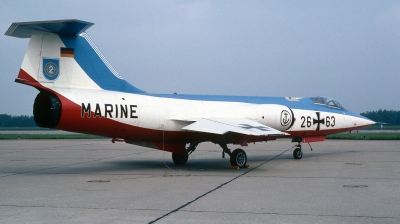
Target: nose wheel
(297, 153)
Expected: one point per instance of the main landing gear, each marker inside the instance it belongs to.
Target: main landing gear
(181, 159)
(237, 158)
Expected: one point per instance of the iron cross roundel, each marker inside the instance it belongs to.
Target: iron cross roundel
(318, 121)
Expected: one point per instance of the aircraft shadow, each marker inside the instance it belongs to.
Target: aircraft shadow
(150, 164)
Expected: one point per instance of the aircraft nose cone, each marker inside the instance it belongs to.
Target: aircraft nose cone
(363, 121)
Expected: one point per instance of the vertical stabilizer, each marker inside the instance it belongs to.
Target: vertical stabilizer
(61, 55)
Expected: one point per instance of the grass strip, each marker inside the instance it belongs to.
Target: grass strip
(366, 136)
(384, 127)
(48, 136)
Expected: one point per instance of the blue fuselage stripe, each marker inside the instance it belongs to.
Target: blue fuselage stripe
(301, 104)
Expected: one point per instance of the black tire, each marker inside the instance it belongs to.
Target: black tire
(297, 153)
(180, 159)
(238, 158)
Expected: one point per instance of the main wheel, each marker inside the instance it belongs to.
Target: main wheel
(238, 158)
(297, 153)
(180, 159)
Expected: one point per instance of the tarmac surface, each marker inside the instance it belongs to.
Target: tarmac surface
(96, 181)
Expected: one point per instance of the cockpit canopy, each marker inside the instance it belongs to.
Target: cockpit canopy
(327, 102)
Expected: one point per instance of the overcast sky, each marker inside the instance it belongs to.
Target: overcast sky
(348, 50)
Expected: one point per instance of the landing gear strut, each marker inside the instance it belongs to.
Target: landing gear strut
(237, 158)
(180, 159)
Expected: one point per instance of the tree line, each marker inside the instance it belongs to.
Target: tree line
(17, 121)
(386, 116)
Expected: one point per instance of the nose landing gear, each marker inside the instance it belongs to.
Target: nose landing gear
(297, 153)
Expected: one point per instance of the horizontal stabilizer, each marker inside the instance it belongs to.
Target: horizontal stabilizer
(70, 27)
(224, 125)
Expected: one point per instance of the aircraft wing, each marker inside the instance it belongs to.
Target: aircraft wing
(224, 125)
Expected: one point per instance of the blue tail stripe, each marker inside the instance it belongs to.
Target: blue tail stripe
(95, 67)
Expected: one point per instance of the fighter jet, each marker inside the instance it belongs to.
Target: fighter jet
(79, 91)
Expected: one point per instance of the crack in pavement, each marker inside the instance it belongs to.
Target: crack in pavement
(218, 187)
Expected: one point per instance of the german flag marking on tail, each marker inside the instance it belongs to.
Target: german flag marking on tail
(67, 52)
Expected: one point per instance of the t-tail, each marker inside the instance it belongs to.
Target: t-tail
(61, 55)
